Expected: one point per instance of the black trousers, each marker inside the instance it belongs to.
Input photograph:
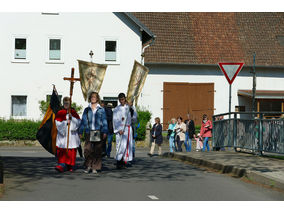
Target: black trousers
(179, 144)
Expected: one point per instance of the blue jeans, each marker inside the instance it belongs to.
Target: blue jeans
(172, 143)
(109, 143)
(205, 144)
(187, 142)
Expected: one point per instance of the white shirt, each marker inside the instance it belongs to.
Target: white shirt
(94, 115)
(62, 133)
(120, 118)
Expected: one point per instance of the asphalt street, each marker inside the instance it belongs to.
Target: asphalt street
(29, 175)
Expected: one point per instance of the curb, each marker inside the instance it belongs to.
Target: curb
(229, 169)
(20, 143)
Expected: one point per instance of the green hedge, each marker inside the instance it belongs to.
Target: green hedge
(18, 130)
(144, 117)
(27, 129)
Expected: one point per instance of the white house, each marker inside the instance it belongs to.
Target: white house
(39, 49)
(184, 74)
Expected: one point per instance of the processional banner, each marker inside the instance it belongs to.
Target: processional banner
(136, 82)
(92, 76)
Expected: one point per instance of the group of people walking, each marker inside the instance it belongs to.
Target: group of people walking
(180, 133)
(98, 125)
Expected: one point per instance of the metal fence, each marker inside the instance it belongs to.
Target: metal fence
(249, 130)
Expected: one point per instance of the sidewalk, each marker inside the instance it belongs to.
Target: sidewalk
(263, 170)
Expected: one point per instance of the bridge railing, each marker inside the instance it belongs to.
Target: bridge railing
(255, 131)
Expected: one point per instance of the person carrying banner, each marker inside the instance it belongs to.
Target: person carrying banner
(94, 125)
(47, 132)
(123, 116)
(66, 156)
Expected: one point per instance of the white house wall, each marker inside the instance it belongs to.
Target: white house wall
(80, 33)
(152, 96)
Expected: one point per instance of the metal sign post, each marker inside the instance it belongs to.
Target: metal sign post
(230, 99)
(230, 70)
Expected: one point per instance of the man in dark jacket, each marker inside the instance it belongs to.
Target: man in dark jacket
(190, 133)
(109, 114)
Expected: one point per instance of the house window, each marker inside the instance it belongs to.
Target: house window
(54, 49)
(19, 105)
(112, 100)
(110, 50)
(20, 48)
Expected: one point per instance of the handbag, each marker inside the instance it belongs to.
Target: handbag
(95, 135)
(170, 131)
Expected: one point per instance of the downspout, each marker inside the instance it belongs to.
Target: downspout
(143, 49)
(143, 55)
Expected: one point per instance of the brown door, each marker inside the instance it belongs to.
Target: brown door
(182, 98)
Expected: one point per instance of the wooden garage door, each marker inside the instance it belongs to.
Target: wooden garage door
(182, 98)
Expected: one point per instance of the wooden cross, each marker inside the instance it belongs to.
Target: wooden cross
(72, 81)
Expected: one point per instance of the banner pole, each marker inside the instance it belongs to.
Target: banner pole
(230, 96)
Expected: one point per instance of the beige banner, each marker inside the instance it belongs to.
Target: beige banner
(92, 76)
(136, 82)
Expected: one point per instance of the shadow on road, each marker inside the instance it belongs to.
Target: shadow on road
(27, 170)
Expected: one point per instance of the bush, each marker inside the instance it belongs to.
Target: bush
(27, 129)
(18, 130)
(144, 117)
(197, 129)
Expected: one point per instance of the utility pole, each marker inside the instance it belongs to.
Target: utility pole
(253, 85)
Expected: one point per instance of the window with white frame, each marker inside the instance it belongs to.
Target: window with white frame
(19, 105)
(110, 50)
(20, 48)
(112, 100)
(54, 49)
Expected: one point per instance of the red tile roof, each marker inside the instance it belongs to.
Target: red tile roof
(209, 38)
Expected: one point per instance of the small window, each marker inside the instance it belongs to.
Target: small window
(54, 49)
(19, 105)
(110, 50)
(112, 100)
(20, 48)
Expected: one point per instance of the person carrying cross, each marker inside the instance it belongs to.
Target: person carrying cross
(66, 152)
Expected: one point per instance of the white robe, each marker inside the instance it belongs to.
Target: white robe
(125, 140)
(62, 132)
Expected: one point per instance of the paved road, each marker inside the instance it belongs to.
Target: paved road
(30, 175)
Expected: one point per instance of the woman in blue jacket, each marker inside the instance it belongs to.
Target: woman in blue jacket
(94, 125)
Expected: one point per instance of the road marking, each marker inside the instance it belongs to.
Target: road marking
(153, 197)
